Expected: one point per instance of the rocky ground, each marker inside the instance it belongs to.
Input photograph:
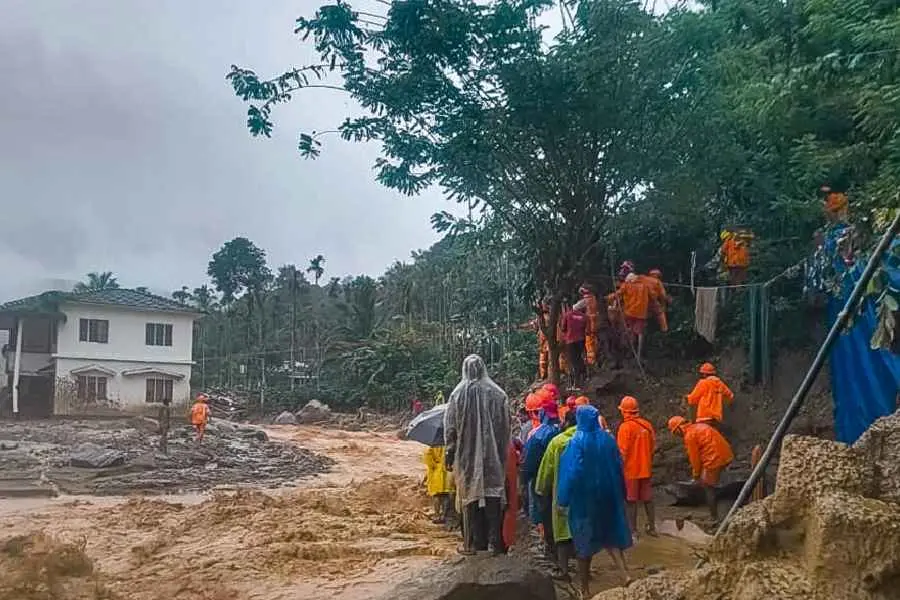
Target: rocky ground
(831, 530)
(119, 457)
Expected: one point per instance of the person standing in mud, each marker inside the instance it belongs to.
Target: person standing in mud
(165, 421)
(200, 415)
(477, 434)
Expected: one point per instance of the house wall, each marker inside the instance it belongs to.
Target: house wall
(125, 350)
(126, 393)
(126, 335)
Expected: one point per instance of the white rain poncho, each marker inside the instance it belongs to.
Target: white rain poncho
(476, 434)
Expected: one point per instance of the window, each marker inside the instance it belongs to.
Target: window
(159, 390)
(93, 330)
(158, 334)
(91, 388)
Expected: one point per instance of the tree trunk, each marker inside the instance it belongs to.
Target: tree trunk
(550, 329)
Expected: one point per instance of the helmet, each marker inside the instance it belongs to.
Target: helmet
(571, 401)
(707, 369)
(629, 404)
(676, 423)
(582, 401)
(655, 273)
(550, 408)
(533, 402)
(551, 390)
(724, 235)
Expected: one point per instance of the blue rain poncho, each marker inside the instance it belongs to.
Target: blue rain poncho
(535, 448)
(592, 488)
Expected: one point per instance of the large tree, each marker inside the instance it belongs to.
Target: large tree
(542, 140)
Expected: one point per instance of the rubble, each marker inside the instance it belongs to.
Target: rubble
(285, 418)
(115, 457)
(314, 412)
(830, 530)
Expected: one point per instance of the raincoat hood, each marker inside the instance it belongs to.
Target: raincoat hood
(587, 418)
(477, 434)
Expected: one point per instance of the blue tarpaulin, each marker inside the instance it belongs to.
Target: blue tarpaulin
(864, 382)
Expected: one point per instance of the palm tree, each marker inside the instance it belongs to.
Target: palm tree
(96, 282)
(182, 296)
(316, 267)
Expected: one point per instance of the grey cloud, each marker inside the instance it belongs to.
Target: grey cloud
(124, 149)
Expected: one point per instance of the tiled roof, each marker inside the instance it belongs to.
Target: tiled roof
(130, 299)
(49, 301)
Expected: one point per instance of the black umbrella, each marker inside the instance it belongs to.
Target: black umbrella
(428, 427)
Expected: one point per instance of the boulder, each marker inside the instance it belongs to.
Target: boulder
(92, 456)
(285, 418)
(476, 578)
(314, 412)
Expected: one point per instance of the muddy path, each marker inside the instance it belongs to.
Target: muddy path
(349, 534)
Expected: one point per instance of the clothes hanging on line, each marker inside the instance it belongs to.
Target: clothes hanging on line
(706, 311)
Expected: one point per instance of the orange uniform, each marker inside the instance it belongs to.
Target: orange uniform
(199, 413)
(659, 299)
(635, 299)
(708, 396)
(708, 451)
(590, 339)
(637, 441)
(736, 253)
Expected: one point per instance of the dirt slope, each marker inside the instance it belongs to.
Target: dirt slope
(830, 530)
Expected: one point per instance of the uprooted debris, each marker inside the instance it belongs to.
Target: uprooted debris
(116, 457)
(830, 530)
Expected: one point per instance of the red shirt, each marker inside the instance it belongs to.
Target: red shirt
(574, 324)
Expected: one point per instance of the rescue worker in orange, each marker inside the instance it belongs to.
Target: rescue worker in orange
(636, 439)
(709, 396)
(591, 338)
(635, 298)
(659, 299)
(735, 256)
(543, 346)
(708, 452)
(532, 408)
(200, 415)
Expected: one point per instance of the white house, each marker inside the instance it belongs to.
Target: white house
(117, 349)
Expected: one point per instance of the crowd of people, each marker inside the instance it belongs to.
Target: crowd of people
(578, 482)
(598, 329)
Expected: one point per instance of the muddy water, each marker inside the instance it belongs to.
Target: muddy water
(347, 535)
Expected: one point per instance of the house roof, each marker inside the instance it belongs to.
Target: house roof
(48, 302)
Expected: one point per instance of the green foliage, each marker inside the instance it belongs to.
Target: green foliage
(97, 281)
(237, 267)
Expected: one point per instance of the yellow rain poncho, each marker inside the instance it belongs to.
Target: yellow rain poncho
(438, 479)
(548, 478)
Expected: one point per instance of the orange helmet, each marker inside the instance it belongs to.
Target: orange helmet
(707, 369)
(582, 401)
(551, 390)
(629, 405)
(676, 423)
(533, 402)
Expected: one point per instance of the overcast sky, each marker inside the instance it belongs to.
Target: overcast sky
(124, 149)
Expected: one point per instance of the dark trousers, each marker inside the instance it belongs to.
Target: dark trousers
(576, 359)
(483, 528)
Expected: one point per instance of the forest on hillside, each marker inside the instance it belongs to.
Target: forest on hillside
(629, 134)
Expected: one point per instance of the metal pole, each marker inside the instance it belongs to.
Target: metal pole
(17, 367)
(824, 350)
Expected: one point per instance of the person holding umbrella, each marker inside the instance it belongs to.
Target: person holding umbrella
(477, 434)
